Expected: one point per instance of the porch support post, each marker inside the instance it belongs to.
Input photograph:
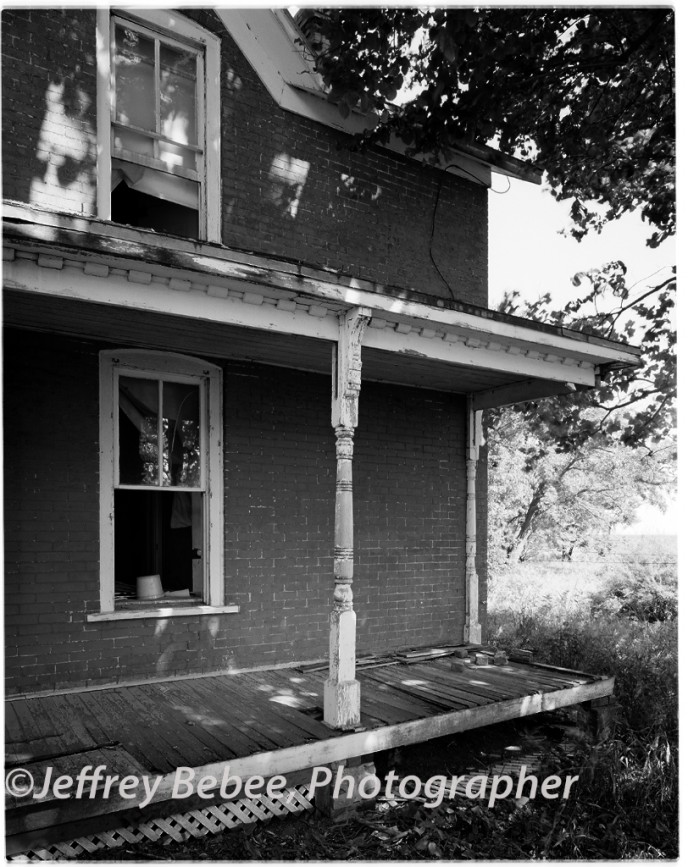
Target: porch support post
(474, 425)
(342, 698)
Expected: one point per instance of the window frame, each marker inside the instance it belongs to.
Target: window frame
(170, 25)
(167, 366)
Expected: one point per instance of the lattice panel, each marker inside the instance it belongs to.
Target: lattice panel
(180, 827)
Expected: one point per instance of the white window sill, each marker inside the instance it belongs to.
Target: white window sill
(163, 611)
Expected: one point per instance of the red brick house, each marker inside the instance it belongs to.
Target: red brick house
(208, 300)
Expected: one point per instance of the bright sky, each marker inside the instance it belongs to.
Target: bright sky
(528, 253)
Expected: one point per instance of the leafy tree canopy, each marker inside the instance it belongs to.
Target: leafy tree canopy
(540, 498)
(586, 93)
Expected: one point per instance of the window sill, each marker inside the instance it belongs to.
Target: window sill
(162, 612)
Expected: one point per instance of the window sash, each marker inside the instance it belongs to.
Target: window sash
(151, 375)
(158, 139)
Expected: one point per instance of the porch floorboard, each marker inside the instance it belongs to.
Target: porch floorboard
(260, 722)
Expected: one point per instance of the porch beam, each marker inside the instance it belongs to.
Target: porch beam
(342, 694)
(474, 429)
(518, 392)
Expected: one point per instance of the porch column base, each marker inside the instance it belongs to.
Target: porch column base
(342, 704)
(472, 633)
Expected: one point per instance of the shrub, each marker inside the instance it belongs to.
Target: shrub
(641, 590)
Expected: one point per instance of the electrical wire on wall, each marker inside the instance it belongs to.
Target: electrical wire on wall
(434, 216)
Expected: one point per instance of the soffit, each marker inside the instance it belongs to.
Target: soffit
(137, 328)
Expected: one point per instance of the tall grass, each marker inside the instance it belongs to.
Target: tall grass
(626, 806)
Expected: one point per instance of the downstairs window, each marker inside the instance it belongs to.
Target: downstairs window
(161, 462)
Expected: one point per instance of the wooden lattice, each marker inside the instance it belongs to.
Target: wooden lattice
(180, 827)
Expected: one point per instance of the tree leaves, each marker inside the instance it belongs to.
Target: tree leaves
(587, 93)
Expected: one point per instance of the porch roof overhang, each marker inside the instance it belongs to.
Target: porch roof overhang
(61, 271)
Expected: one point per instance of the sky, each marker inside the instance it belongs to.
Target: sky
(529, 253)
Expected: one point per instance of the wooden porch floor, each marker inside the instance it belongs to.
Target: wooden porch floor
(263, 722)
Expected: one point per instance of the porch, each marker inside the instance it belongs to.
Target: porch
(261, 723)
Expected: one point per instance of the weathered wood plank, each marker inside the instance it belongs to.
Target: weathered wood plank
(504, 682)
(130, 724)
(274, 726)
(105, 731)
(431, 703)
(168, 724)
(515, 674)
(312, 728)
(539, 678)
(14, 733)
(444, 700)
(220, 723)
(531, 669)
(386, 694)
(387, 713)
(469, 686)
(189, 718)
(34, 724)
(63, 713)
(306, 685)
(223, 701)
(566, 671)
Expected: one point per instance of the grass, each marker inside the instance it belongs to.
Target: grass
(626, 806)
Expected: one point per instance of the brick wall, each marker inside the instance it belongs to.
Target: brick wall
(279, 472)
(409, 493)
(291, 187)
(49, 108)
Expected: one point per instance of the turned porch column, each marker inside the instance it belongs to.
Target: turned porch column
(474, 425)
(342, 698)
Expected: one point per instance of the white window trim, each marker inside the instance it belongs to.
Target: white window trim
(210, 205)
(161, 364)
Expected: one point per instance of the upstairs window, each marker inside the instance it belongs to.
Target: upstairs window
(162, 161)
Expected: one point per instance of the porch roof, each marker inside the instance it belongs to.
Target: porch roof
(63, 269)
(261, 723)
